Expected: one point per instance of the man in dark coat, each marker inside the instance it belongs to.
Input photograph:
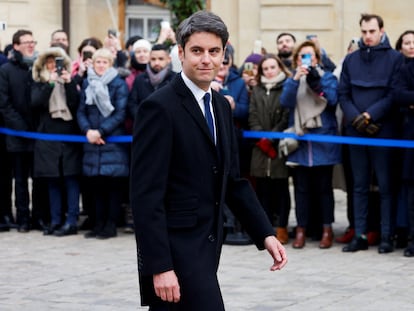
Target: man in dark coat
(183, 171)
(365, 95)
(157, 74)
(15, 86)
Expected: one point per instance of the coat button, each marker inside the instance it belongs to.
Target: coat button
(211, 238)
(215, 170)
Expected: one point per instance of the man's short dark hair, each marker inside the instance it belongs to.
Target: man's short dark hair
(286, 34)
(202, 21)
(20, 33)
(367, 17)
(160, 47)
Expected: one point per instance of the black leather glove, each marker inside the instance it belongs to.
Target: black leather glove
(360, 123)
(314, 80)
(364, 125)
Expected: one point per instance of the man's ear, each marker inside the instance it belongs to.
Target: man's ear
(181, 53)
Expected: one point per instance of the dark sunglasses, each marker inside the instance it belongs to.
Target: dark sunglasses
(225, 62)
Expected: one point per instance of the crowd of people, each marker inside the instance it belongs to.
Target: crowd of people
(297, 88)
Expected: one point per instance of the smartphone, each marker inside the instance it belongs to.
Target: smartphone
(310, 37)
(112, 32)
(306, 60)
(86, 55)
(59, 65)
(165, 24)
(248, 68)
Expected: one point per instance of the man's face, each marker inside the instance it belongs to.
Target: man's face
(26, 46)
(60, 38)
(285, 46)
(371, 33)
(159, 60)
(201, 58)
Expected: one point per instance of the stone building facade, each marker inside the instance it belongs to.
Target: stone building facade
(334, 21)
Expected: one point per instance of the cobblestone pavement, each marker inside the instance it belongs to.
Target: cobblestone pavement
(72, 273)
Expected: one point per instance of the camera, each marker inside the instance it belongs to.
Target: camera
(86, 55)
(59, 65)
(306, 60)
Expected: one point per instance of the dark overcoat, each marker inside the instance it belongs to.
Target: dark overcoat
(49, 155)
(180, 182)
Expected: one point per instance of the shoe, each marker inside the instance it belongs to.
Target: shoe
(401, 238)
(373, 238)
(4, 227)
(237, 238)
(39, 225)
(51, 229)
(9, 221)
(282, 235)
(108, 231)
(327, 238)
(23, 228)
(347, 236)
(66, 230)
(300, 238)
(385, 246)
(90, 234)
(105, 235)
(409, 251)
(129, 229)
(357, 244)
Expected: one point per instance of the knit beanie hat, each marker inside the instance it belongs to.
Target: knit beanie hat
(254, 58)
(142, 43)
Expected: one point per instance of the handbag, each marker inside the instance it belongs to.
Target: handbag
(288, 145)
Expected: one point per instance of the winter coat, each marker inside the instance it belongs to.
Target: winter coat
(266, 114)
(235, 87)
(110, 159)
(15, 88)
(142, 88)
(55, 158)
(312, 153)
(366, 84)
(403, 95)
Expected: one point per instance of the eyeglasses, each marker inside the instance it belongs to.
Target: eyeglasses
(29, 42)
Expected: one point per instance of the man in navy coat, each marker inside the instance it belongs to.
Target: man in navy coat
(183, 172)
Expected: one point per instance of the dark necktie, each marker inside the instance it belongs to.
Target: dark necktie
(208, 116)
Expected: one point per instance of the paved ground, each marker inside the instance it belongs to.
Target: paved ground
(73, 273)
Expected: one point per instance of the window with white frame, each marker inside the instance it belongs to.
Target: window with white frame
(144, 19)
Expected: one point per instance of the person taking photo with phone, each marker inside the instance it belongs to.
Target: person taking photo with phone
(311, 96)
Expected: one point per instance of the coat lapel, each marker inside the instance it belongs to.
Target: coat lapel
(190, 104)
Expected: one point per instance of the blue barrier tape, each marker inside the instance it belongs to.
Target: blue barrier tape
(381, 142)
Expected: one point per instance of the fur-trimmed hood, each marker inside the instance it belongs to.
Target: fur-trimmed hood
(39, 71)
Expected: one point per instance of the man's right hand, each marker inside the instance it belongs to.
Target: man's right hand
(166, 286)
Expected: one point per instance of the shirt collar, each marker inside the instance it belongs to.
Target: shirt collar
(197, 92)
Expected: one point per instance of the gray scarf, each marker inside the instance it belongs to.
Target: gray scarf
(97, 92)
(157, 78)
(308, 108)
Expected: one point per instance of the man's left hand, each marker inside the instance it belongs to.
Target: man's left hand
(277, 251)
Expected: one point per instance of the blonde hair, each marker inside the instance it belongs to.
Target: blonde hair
(103, 53)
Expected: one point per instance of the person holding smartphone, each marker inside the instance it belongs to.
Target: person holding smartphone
(311, 96)
(55, 99)
(80, 66)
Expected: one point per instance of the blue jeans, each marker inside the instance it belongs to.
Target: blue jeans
(364, 161)
(71, 185)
